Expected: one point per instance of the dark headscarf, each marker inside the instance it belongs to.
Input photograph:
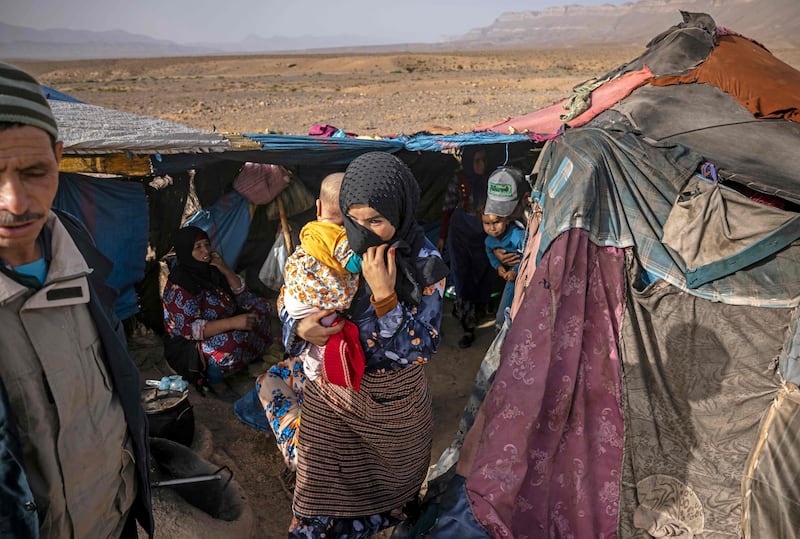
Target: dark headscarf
(384, 183)
(192, 274)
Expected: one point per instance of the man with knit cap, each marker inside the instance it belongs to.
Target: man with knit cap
(73, 435)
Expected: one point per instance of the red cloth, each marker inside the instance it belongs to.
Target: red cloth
(344, 360)
(546, 123)
(760, 82)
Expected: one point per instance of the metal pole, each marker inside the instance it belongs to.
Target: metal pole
(185, 480)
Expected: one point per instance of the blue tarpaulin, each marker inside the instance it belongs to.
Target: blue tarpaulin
(438, 143)
(226, 222)
(115, 213)
(308, 150)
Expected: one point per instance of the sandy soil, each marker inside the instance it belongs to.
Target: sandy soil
(368, 94)
(252, 455)
(374, 94)
(378, 94)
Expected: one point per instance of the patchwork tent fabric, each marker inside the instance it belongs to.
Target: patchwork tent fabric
(647, 384)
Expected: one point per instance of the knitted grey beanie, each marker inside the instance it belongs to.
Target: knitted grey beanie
(22, 100)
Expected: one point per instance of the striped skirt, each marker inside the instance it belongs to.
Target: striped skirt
(366, 452)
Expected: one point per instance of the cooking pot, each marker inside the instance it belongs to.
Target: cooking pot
(169, 414)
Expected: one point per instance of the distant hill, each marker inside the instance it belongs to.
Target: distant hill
(773, 22)
(21, 43)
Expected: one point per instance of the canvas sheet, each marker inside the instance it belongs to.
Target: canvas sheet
(546, 123)
(622, 189)
(679, 48)
(698, 378)
(760, 82)
(717, 231)
(773, 471)
(702, 117)
(790, 355)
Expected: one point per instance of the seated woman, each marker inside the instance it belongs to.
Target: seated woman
(214, 326)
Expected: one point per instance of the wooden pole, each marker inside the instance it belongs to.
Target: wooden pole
(287, 237)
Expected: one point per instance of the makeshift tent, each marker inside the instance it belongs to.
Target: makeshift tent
(171, 172)
(647, 386)
(113, 146)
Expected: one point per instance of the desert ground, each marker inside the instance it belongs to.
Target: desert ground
(366, 94)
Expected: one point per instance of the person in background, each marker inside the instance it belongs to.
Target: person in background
(362, 456)
(505, 235)
(214, 325)
(73, 435)
(472, 275)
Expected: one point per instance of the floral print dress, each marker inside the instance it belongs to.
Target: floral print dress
(186, 315)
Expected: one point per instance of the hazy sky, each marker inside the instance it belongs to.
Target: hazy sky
(187, 21)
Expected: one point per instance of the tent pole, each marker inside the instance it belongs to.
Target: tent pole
(287, 237)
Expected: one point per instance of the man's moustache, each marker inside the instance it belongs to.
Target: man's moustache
(7, 218)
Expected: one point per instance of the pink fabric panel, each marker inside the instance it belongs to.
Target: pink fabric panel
(528, 264)
(260, 183)
(546, 122)
(549, 452)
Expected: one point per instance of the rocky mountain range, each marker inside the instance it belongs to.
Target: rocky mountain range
(773, 22)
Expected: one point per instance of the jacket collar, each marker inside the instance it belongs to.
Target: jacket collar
(65, 264)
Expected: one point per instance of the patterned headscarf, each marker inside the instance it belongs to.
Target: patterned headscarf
(384, 183)
(192, 274)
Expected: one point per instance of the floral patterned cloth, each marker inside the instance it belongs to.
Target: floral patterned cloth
(549, 458)
(280, 391)
(341, 528)
(186, 314)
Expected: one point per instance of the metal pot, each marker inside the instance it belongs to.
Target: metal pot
(169, 414)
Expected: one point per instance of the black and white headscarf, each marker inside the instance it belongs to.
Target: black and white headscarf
(384, 183)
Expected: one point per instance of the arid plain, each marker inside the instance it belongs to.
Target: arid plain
(365, 94)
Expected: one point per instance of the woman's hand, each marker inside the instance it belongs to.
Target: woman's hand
(218, 262)
(379, 268)
(245, 321)
(506, 258)
(311, 329)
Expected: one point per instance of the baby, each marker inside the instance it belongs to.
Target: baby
(322, 273)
